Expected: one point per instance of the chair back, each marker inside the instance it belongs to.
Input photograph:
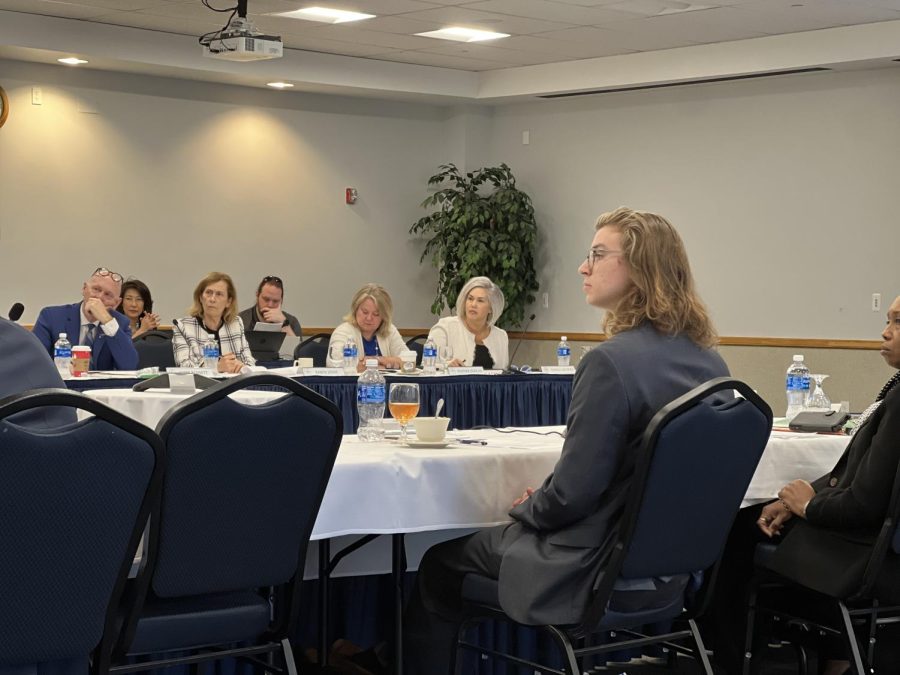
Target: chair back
(316, 347)
(693, 467)
(154, 348)
(887, 545)
(242, 489)
(74, 501)
(417, 344)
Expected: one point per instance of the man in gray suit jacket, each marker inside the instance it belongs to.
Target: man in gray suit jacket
(25, 365)
(548, 560)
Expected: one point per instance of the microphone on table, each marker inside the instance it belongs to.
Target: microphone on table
(15, 312)
(515, 370)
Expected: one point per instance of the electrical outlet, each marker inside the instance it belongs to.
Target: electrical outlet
(37, 96)
(546, 301)
(876, 302)
(526, 137)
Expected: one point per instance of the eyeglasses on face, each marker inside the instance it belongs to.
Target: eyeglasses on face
(103, 272)
(214, 293)
(595, 254)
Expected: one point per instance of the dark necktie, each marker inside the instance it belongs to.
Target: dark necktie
(90, 335)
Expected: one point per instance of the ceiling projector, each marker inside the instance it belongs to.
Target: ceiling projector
(240, 41)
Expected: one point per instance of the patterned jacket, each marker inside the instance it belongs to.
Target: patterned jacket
(189, 335)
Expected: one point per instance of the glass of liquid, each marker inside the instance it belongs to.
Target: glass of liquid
(403, 402)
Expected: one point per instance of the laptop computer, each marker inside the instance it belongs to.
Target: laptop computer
(265, 345)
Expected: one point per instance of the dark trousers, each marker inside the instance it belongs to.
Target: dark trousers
(434, 611)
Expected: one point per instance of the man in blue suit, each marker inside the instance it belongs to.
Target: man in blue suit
(93, 322)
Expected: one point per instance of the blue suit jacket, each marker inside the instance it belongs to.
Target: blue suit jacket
(107, 353)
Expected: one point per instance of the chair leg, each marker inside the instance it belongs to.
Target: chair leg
(802, 660)
(751, 620)
(701, 649)
(570, 662)
(855, 657)
(873, 627)
(289, 664)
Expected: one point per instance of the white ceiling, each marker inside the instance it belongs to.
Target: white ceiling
(555, 39)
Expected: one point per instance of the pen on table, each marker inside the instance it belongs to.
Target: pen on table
(472, 441)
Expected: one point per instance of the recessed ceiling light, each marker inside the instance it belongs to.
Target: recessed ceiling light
(324, 14)
(72, 61)
(461, 34)
(279, 85)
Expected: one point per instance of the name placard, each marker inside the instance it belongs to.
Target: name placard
(465, 370)
(558, 370)
(322, 372)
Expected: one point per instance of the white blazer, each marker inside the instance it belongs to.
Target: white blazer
(390, 345)
(451, 330)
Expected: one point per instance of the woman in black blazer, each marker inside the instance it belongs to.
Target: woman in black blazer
(826, 527)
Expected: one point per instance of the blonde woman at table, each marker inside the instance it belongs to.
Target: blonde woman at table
(826, 528)
(213, 316)
(472, 333)
(369, 325)
(547, 560)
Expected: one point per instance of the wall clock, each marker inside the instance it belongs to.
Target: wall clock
(4, 106)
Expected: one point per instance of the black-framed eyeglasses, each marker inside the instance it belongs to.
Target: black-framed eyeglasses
(103, 272)
(595, 254)
(275, 281)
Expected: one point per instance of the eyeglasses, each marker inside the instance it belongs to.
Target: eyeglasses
(213, 293)
(275, 281)
(103, 272)
(596, 254)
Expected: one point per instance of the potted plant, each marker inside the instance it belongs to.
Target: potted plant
(483, 226)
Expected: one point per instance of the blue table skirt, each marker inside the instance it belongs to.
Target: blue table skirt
(470, 400)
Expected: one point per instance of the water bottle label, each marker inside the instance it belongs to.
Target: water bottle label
(563, 351)
(349, 351)
(63, 352)
(429, 351)
(370, 393)
(797, 383)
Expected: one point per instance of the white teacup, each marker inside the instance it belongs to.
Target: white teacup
(431, 429)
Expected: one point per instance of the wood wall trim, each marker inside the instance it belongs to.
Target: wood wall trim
(726, 341)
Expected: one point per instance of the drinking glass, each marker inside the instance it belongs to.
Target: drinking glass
(403, 402)
(445, 355)
(818, 400)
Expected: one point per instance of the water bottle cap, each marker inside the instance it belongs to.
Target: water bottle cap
(798, 357)
(62, 335)
(564, 338)
(371, 363)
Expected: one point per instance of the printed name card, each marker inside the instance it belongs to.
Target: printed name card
(465, 370)
(558, 370)
(322, 372)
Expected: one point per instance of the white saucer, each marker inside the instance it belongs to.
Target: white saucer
(414, 443)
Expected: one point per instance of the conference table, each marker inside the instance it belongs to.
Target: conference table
(493, 400)
(385, 488)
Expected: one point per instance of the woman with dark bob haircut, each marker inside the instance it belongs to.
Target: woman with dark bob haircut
(137, 305)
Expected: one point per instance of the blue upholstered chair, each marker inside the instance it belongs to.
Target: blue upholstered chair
(240, 497)
(856, 616)
(315, 347)
(693, 467)
(74, 501)
(154, 348)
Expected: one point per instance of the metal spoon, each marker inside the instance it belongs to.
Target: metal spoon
(437, 410)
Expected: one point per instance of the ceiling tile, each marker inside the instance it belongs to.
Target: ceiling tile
(565, 48)
(703, 27)
(350, 33)
(187, 27)
(314, 44)
(830, 12)
(65, 10)
(483, 52)
(550, 11)
(621, 42)
(442, 61)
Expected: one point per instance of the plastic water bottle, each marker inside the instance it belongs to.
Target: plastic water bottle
(429, 357)
(370, 402)
(62, 355)
(211, 355)
(796, 386)
(563, 352)
(350, 356)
